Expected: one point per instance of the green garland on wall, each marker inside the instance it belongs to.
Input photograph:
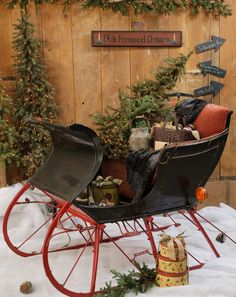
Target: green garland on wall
(215, 7)
(165, 7)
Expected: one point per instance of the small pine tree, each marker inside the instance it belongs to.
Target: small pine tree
(33, 97)
(8, 134)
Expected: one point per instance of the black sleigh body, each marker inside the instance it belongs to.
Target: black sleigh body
(77, 156)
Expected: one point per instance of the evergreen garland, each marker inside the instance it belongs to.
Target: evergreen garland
(148, 100)
(215, 7)
(134, 282)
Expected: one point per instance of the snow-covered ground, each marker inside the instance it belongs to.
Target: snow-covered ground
(217, 278)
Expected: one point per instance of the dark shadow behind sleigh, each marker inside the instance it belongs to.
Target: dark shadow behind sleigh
(72, 165)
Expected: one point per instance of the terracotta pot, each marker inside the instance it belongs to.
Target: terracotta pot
(117, 169)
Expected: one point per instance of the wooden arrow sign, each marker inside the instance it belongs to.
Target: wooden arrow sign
(214, 88)
(214, 43)
(207, 67)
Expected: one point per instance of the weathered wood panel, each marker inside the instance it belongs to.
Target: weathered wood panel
(231, 193)
(217, 193)
(215, 55)
(228, 94)
(87, 65)
(3, 180)
(58, 56)
(115, 63)
(35, 18)
(6, 43)
(144, 61)
(6, 52)
(193, 34)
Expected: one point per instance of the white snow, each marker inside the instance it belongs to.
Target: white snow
(216, 278)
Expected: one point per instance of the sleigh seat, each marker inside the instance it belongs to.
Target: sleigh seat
(212, 120)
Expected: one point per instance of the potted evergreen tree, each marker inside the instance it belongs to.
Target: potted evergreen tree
(149, 100)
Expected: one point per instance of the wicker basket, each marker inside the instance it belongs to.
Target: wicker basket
(171, 135)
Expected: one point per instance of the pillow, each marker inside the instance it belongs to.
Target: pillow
(211, 120)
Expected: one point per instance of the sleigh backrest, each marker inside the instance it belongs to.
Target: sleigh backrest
(184, 167)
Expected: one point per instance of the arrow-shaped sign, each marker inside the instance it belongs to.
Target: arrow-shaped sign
(214, 88)
(215, 43)
(207, 67)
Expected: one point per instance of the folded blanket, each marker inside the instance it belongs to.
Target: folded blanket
(140, 167)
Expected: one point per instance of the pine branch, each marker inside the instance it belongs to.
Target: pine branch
(134, 282)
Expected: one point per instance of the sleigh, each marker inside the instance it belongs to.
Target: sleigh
(77, 227)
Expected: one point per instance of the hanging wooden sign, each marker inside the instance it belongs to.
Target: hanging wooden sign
(213, 88)
(137, 38)
(215, 43)
(207, 67)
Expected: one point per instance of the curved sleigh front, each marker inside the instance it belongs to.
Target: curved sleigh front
(74, 161)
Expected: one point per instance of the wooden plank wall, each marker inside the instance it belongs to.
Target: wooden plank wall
(88, 79)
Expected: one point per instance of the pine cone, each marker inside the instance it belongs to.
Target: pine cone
(26, 287)
(221, 238)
